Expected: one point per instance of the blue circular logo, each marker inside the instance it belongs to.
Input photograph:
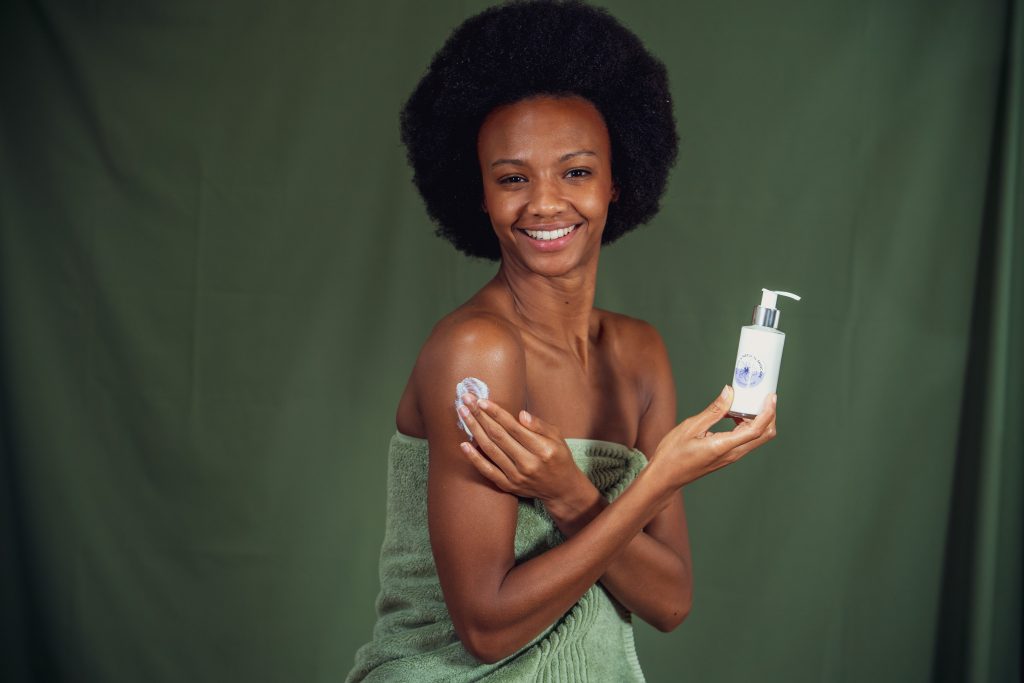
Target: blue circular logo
(749, 371)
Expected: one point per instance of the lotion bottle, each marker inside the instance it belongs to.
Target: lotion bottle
(759, 357)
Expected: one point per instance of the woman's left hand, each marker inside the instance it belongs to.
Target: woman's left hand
(526, 457)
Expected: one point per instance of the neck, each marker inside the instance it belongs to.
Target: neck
(556, 310)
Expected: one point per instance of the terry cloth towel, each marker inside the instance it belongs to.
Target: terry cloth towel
(414, 640)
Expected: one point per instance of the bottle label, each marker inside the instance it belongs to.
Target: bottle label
(749, 371)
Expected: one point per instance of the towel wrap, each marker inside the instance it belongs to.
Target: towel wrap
(414, 640)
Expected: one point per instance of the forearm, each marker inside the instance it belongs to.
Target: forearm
(648, 577)
(534, 594)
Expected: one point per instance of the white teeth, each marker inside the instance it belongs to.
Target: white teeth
(550, 234)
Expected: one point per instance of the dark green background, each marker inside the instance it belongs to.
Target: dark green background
(215, 276)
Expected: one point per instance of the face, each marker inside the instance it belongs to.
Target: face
(547, 179)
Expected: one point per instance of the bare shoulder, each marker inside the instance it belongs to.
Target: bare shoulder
(468, 342)
(633, 337)
(469, 337)
(637, 346)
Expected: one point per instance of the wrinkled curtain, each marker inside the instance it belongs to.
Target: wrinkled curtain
(980, 626)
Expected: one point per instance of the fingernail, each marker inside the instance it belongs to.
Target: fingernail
(463, 411)
(725, 391)
(775, 399)
(483, 403)
(469, 398)
(525, 416)
(465, 446)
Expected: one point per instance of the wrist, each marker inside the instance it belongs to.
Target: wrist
(580, 504)
(663, 477)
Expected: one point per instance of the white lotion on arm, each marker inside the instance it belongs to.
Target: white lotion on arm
(470, 384)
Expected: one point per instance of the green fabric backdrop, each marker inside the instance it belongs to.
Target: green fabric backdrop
(215, 275)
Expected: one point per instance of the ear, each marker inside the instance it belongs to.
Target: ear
(615, 191)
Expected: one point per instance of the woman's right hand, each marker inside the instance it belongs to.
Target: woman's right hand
(691, 450)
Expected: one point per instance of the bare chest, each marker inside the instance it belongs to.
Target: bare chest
(600, 403)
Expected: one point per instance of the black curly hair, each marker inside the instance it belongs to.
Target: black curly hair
(523, 49)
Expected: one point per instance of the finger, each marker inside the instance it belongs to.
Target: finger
(742, 450)
(749, 431)
(470, 399)
(467, 401)
(501, 416)
(743, 423)
(484, 441)
(485, 467)
(522, 456)
(526, 433)
(539, 426)
(704, 420)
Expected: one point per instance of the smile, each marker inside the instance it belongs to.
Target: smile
(547, 235)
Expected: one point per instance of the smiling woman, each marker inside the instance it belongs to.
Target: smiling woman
(547, 178)
(523, 553)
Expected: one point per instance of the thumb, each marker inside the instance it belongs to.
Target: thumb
(716, 411)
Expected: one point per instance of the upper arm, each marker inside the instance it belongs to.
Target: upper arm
(471, 522)
(657, 386)
(658, 418)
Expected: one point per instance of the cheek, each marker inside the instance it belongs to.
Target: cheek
(597, 201)
(502, 207)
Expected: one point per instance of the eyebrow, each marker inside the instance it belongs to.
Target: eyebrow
(564, 157)
(579, 153)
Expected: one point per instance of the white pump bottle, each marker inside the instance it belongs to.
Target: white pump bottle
(759, 357)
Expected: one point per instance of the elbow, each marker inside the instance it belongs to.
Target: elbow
(483, 645)
(484, 630)
(675, 613)
(483, 637)
(669, 622)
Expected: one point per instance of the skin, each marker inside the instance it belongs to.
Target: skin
(551, 358)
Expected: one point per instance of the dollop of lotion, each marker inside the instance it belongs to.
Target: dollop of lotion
(470, 384)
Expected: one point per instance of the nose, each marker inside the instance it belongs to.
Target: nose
(546, 199)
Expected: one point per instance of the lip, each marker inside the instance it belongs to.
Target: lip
(551, 245)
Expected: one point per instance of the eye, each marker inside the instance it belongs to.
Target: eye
(577, 173)
(510, 179)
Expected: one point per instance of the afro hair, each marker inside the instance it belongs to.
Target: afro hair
(524, 49)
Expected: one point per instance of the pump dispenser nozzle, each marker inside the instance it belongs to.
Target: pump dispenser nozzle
(767, 314)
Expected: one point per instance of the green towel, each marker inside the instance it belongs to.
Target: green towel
(414, 640)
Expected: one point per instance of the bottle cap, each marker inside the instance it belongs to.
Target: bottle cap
(767, 314)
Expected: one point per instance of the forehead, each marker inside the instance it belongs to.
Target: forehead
(543, 124)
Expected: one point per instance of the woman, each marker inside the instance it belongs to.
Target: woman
(540, 132)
